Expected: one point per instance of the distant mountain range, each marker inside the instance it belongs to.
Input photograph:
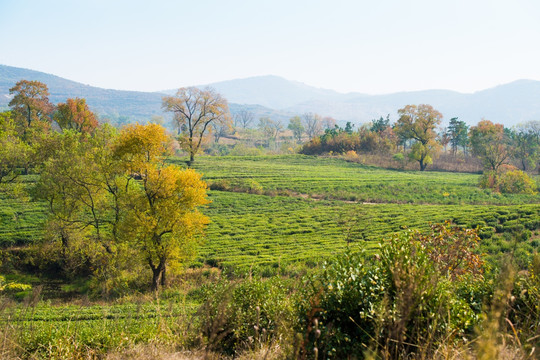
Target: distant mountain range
(135, 105)
(281, 99)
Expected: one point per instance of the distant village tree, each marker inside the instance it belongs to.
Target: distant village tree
(457, 131)
(526, 144)
(490, 143)
(194, 111)
(243, 118)
(380, 125)
(295, 125)
(313, 124)
(220, 130)
(328, 123)
(270, 128)
(418, 122)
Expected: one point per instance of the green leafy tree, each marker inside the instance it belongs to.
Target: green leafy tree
(77, 192)
(525, 147)
(380, 125)
(14, 153)
(295, 125)
(458, 133)
(418, 122)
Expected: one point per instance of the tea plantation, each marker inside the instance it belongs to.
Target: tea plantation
(275, 210)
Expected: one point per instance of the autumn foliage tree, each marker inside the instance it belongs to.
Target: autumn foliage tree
(162, 221)
(75, 114)
(490, 143)
(111, 195)
(30, 104)
(195, 110)
(418, 122)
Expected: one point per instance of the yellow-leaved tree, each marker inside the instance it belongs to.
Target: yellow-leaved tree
(162, 221)
(418, 122)
(112, 198)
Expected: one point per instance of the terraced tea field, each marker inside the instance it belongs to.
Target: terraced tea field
(249, 229)
(20, 219)
(338, 179)
(327, 202)
(103, 327)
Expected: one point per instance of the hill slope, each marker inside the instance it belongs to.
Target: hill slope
(509, 104)
(281, 99)
(138, 106)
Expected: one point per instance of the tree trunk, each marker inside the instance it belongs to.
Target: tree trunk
(163, 279)
(422, 165)
(158, 273)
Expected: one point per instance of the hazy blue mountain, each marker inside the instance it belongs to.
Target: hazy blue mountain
(281, 99)
(137, 106)
(271, 91)
(509, 104)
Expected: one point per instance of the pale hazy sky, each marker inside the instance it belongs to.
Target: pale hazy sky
(375, 46)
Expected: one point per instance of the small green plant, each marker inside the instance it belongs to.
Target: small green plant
(245, 314)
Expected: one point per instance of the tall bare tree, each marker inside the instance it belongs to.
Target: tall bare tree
(195, 110)
(243, 118)
(312, 124)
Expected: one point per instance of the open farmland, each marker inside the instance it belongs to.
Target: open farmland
(252, 229)
(286, 209)
(272, 229)
(338, 179)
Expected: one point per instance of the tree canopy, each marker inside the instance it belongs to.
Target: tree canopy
(418, 122)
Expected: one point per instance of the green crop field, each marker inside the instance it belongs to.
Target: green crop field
(102, 327)
(249, 229)
(339, 179)
(367, 203)
(21, 221)
(305, 209)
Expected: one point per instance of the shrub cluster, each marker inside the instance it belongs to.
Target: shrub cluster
(243, 315)
(508, 182)
(420, 290)
(340, 141)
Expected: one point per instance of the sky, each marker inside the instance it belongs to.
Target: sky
(372, 47)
